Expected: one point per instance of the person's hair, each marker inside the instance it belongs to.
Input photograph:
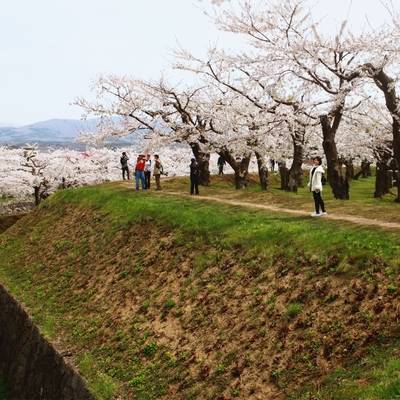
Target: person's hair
(319, 159)
(123, 153)
(156, 156)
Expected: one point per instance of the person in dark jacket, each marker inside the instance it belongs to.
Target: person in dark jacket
(221, 163)
(147, 171)
(124, 166)
(194, 176)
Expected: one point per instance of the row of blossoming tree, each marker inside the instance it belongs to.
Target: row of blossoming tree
(294, 92)
(32, 173)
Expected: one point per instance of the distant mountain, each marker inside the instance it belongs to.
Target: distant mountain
(62, 132)
(49, 132)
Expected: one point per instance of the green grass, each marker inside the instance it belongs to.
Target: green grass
(361, 203)
(377, 377)
(293, 310)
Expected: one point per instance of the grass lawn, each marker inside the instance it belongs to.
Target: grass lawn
(361, 203)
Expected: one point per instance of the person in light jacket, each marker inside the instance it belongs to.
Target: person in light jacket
(315, 185)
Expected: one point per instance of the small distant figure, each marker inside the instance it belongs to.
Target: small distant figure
(139, 172)
(315, 185)
(272, 163)
(194, 176)
(158, 171)
(221, 163)
(124, 166)
(147, 171)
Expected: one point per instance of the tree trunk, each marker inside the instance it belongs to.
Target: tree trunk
(381, 180)
(239, 166)
(387, 85)
(338, 182)
(295, 179)
(365, 169)
(203, 159)
(349, 169)
(284, 174)
(262, 171)
(398, 184)
(396, 176)
(242, 173)
(37, 195)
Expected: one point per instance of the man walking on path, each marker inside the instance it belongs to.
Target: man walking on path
(139, 172)
(221, 164)
(147, 171)
(158, 170)
(194, 176)
(124, 166)
(315, 185)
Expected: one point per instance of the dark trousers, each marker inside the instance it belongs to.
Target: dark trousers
(221, 169)
(158, 182)
(125, 170)
(147, 176)
(319, 203)
(194, 184)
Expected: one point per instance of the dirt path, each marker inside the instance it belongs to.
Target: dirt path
(336, 217)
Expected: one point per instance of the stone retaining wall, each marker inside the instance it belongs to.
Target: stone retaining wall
(30, 365)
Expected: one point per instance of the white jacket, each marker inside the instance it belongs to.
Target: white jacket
(315, 182)
(147, 166)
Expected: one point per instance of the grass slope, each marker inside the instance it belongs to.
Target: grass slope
(158, 297)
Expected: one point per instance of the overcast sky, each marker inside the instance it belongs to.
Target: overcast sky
(52, 49)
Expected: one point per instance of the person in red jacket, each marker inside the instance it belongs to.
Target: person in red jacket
(139, 172)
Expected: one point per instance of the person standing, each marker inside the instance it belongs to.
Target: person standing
(139, 172)
(315, 185)
(158, 170)
(147, 171)
(194, 176)
(124, 165)
(221, 163)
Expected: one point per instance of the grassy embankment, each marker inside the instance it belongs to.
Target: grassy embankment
(159, 297)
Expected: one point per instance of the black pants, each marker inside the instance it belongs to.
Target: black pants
(125, 170)
(319, 203)
(147, 176)
(194, 184)
(221, 169)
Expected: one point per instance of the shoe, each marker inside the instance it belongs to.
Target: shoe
(315, 214)
(324, 213)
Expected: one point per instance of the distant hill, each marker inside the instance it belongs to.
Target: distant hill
(52, 132)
